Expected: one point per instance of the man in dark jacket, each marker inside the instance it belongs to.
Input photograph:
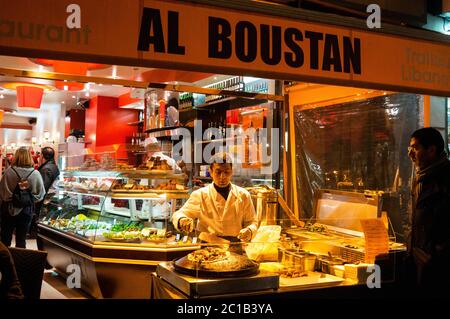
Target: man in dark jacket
(49, 172)
(429, 244)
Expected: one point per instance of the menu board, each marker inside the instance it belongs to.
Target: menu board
(376, 238)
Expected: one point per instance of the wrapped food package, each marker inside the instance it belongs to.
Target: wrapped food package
(264, 246)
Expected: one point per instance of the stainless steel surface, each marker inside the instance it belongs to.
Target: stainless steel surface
(342, 211)
(266, 203)
(196, 287)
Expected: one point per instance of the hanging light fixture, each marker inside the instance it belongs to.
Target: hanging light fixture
(72, 68)
(29, 96)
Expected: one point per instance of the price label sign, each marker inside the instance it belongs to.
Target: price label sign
(376, 238)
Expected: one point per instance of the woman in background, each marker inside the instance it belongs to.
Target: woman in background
(13, 216)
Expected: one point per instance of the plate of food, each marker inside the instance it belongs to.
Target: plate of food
(123, 236)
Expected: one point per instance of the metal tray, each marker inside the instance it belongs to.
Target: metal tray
(200, 287)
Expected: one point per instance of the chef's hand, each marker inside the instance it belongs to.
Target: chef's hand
(186, 224)
(245, 234)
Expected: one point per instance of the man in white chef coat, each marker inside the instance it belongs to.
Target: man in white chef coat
(221, 208)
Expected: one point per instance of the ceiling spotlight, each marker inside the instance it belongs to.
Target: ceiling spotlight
(87, 94)
(2, 96)
(73, 96)
(63, 102)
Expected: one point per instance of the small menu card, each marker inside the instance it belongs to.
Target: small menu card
(376, 238)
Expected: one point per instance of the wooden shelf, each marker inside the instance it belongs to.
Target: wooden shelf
(162, 129)
(136, 123)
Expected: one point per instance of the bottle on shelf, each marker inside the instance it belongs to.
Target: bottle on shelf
(162, 113)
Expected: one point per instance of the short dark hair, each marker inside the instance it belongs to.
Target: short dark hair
(221, 158)
(173, 102)
(429, 136)
(48, 153)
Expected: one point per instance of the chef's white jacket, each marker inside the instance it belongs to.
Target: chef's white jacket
(213, 214)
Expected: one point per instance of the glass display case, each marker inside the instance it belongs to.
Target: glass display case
(113, 220)
(126, 206)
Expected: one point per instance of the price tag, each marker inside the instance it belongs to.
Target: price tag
(185, 239)
(177, 237)
(376, 238)
(194, 240)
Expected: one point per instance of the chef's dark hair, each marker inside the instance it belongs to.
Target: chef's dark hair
(173, 102)
(429, 136)
(221, 158)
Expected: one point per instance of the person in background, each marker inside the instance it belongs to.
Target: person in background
(13, 217)
(221, 208)
(9, 283)
(49, 172)
(153, 149)
(172, 113)
(429, 240)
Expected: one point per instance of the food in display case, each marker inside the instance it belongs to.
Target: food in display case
(133, 186)
(114, 206)
(156, 163)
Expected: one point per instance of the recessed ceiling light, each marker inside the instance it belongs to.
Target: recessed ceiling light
(73, 96)
(1, 96)
(63, 102)
(100, 84)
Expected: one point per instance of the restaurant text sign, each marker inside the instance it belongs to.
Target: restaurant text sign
(188, 36)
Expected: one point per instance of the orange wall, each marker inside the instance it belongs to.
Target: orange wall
(106, 123)
(90, 124)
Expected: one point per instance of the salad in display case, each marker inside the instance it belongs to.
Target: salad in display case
(116, 203)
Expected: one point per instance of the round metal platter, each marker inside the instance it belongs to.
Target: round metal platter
(247, 267)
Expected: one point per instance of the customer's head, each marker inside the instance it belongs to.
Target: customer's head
(48, 153)
(22, 158)
(425, 147)
(221, 169)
